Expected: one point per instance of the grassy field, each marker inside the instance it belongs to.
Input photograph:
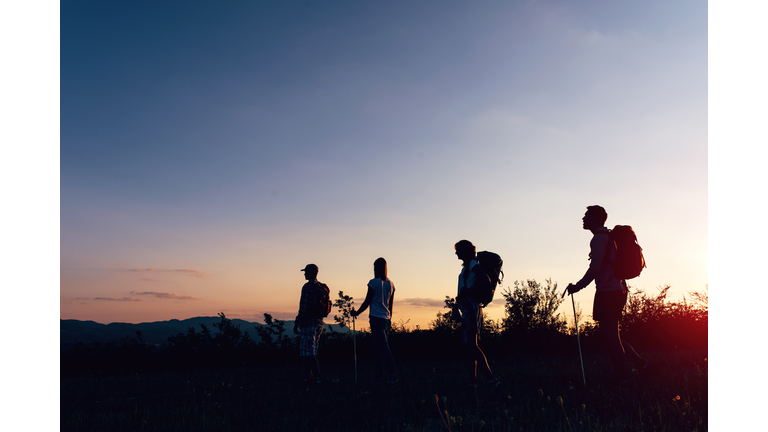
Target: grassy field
(538, 393)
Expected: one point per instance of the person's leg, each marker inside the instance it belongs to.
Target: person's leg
(311, 367)
(607, 310)
(379, 338)
(629, 351)
(632, 355)
(468, 335)
(316, 363)
(306, 368)
(305, 351)
(479, 354)
(387, 359)
(310, 339)
(474, 355)
(610, 335)
(471, 364)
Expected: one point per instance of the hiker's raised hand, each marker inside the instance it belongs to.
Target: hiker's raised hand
(572, 289)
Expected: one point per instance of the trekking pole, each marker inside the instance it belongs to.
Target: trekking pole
(354, 347)
(576, 323)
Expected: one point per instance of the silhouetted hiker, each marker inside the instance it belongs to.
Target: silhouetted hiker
(469, 311)
(610, 294)
(380, 297)
(313, 307)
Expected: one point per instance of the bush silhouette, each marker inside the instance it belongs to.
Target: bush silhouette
(531, 325)
(531, 322)
(653, 322)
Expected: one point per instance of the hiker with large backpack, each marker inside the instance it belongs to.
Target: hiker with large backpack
(614, 257)
(380, 297)
(315, 304)
(476, 289)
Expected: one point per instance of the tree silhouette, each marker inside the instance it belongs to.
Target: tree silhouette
(345, 305)
(273, 335)
(587, 327)
(443, 323)
(186, 346)
(529, 306)
(229, 335)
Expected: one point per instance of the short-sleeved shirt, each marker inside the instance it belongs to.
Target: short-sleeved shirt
(471, 276)
(382, 292)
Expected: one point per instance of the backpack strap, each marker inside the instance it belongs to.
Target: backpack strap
(607, 232)
(612, 246)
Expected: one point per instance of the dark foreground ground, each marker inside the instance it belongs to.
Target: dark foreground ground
(538, 393)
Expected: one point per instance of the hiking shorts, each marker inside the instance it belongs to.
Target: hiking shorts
(471, 319)
(609, 305)
(310, 338)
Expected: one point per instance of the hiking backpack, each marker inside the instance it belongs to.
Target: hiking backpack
(629, 255)
(491, 264)
(322, 306)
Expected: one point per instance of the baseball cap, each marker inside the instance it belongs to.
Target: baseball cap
(310, 267)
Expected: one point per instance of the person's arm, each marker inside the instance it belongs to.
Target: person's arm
(303, 305)
(392, 302)
(598, 248)
(366, 303)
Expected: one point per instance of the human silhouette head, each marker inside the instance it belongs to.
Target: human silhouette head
(380, 269)
(465, 250)
(310, 272)
(595, 217)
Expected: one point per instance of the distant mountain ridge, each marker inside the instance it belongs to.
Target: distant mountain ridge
(154, 333)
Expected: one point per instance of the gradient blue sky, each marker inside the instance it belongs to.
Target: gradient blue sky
(62, 214)
(209, 152)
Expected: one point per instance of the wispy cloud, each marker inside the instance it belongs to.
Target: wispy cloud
(437, 303)
(190, 272)
(422, 302)
(496, 303)
(162, 295)
(498, 120)
(593, 38)
(124, 299)
(258, 317)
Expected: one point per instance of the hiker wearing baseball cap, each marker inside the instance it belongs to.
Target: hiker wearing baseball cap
(314, 305)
